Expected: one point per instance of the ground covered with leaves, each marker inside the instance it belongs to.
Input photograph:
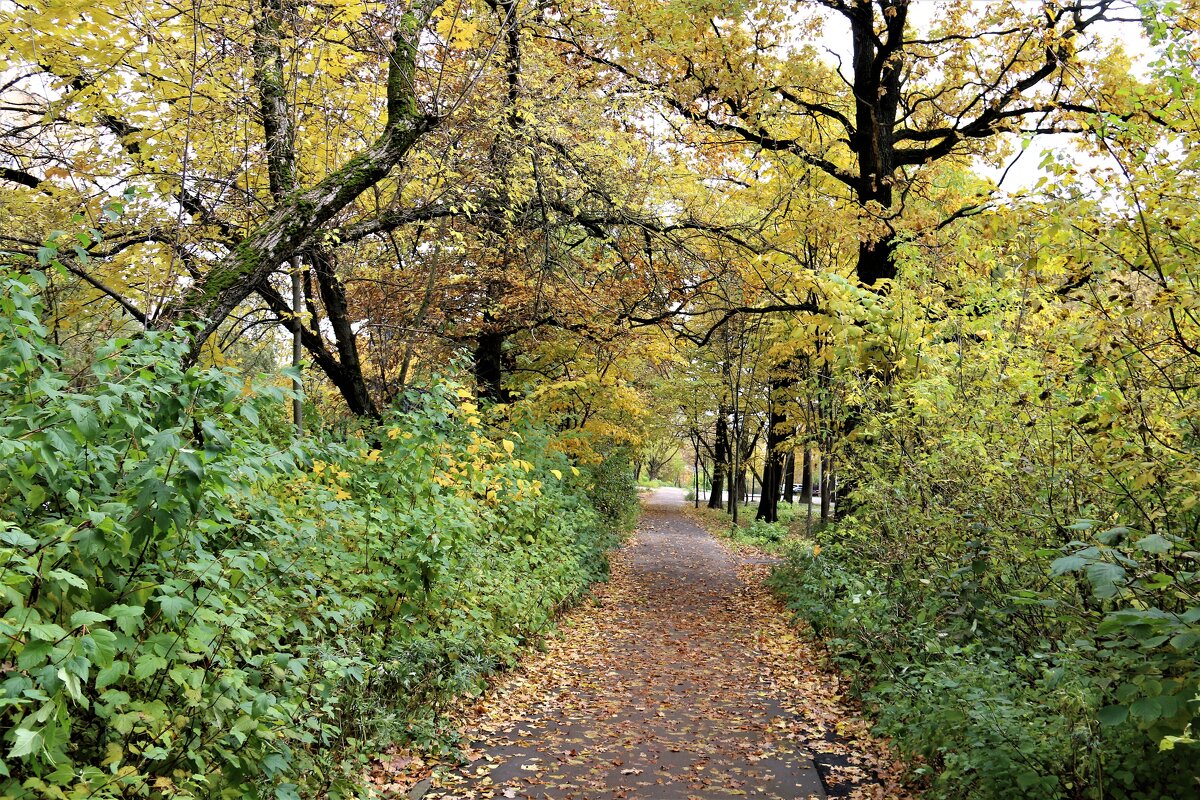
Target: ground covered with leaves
(682, 680)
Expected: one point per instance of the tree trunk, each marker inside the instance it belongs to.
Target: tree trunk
(777, 435)
(720, 458)
(489, 367)
(348, 380)
(337, 308)
(297, 348)
(806, 476)
(772, 477)
(298, 215)
(876, 261)
(737, 494)
(878, 70)
(290, 226)
(826, 485)
(789, 476)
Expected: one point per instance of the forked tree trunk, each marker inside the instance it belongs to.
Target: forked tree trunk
(773, 465)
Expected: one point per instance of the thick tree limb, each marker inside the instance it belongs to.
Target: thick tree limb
(298, 216)
(19, 177)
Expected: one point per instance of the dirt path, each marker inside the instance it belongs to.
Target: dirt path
(675, 684)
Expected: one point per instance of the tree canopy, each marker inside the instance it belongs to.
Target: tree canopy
(772, 248)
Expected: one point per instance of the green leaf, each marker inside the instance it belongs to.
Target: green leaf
(101, 645)
(1154, 543)
(81, 618)
(147, 665)
(1114, 536)
(71, 681)
(25, 743)
(1061, 566)
(110, 675)
(172, 606)
(1113, 715)
(1104, 577)
(1185, 641)
(1147, 709)
(126, 617)
(69, 578)
(47, 631)
(18, 539)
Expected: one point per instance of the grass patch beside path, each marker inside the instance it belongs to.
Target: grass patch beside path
(772, 538)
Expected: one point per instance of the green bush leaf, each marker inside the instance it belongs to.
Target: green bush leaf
(25, 743)
(87, 618)
(1061, 566)
(1113, 715)
(1146, 709)
(111, 674)
(1104, 577)
(173, 605)
(1154, 543)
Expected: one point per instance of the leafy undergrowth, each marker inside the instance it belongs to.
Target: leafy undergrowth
(687, 681)
(974, 714)
(196, 605)
(979, 715)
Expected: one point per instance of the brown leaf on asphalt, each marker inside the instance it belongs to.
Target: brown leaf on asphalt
(683, 677)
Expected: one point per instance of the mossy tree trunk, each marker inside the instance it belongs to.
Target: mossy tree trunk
(299, 214)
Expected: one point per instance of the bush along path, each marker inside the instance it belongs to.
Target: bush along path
(683, 680)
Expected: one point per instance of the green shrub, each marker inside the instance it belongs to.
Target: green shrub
(613, 491)
(981, 715)
(192, 607)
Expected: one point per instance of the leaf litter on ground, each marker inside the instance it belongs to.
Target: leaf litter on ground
(683, 677)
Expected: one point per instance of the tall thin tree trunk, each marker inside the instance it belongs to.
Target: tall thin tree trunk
(789, 477)
(720, 456)
(735, 450)
(297, 348)
(806, 476)
(826, 484)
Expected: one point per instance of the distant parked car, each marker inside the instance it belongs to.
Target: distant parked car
(798, 489)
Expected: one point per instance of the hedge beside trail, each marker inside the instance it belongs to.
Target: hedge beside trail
(980, 712)
(195, 605)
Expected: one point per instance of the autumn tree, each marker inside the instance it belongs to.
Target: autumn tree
(877, 123)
